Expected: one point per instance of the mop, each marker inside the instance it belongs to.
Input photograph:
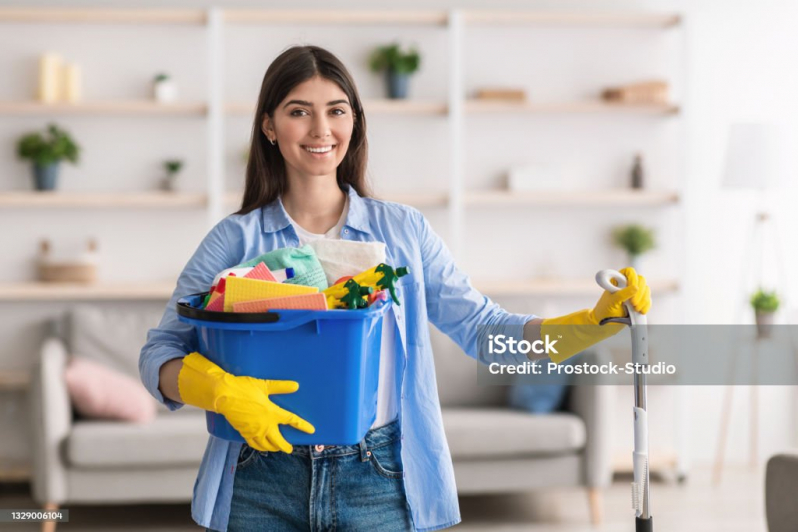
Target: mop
(637, 325)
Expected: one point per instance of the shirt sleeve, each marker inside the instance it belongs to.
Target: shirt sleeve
(459, 310)
(172, 338)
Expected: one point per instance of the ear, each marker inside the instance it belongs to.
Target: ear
(267, 126)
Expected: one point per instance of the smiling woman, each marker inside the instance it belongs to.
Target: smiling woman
(309, 126)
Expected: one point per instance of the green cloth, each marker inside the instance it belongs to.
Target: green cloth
(306, 265)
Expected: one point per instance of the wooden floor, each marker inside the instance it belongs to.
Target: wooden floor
(736, 506)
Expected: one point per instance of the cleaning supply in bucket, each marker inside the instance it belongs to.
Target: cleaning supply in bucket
(341, 258)
(239, 290)
(348, 295)
(382, 277)
(307, 268)
(297, 302)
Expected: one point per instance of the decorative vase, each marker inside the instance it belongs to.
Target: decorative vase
(165, 91)
(398, 85)
(45, 176)
(764, 323)
(634, 262)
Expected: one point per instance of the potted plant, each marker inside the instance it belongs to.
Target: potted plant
(635, 240)
(172, 167)
(164, 89)
(46, 152)
(765, 305)
(397, 63)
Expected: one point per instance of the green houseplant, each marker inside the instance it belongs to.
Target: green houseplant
(635, 240)
(765, 305)
(398, 63)
(46, 152)
(172, 167)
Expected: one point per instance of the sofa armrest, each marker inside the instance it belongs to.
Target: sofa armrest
(595, 404)
(51, 419)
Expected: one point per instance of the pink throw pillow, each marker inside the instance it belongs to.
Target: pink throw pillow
(99, 392)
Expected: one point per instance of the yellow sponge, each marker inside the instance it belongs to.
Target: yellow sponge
(239, 289)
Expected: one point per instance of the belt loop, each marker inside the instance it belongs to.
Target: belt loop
(365, 454)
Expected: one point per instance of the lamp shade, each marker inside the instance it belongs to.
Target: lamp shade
(755, 156)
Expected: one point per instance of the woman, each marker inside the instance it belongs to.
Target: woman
(306, 180)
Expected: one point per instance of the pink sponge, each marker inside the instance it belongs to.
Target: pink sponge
(262, 272)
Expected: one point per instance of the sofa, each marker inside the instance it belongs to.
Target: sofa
(108, 462)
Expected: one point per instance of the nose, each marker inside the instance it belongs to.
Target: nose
(320, 127)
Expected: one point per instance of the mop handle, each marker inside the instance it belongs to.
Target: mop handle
(603, 278)
(638, 329)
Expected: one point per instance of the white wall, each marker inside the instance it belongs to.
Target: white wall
(739, 64)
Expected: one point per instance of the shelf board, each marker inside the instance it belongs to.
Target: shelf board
(102, 15)
(14, 380)
(321, 16)
(39, 291)
(102, 200)
(597, 198)
(110, 107)
(377, 106)
(554, 18)
(477, 106)
(558, 287)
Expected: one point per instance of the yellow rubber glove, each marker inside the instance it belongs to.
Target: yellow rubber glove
(243, 401)
(577, 331)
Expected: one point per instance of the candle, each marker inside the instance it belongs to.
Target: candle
(49, 70)
(72, 83)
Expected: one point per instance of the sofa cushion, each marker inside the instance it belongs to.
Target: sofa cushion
(168, 440)
(97, 391)
(496, 432)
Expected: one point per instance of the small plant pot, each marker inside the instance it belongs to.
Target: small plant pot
(169, 183)
(45, 177)
(634, 262)
(398, 85)
(764, 323)
(165, 91)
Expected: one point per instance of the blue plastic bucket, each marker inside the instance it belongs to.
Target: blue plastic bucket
(334, 355)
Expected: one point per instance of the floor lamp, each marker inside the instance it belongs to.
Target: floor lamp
(755, 160)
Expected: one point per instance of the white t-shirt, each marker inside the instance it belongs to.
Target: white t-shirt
(387, 404)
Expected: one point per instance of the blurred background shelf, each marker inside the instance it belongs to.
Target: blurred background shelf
(552, 287)
(475, 106)
(377, 106)
(102, 200)
(110, 108)
(103, 16)
(564, 18)
(38, 291)
(598, 198)
(337, 16)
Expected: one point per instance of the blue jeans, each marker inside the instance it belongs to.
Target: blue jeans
(323, 487)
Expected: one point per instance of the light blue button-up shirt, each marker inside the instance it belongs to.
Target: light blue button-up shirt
(435, 292)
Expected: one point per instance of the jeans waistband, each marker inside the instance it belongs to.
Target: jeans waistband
(374, 438)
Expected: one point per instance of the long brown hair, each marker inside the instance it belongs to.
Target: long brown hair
(266, 173)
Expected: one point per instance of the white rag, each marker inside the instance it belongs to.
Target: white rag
(341, 258)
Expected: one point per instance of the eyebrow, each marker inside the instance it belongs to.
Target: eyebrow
(309, 104)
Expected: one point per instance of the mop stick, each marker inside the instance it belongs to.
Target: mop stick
(637, 324)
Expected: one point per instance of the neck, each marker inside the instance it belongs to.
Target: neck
(315, 204)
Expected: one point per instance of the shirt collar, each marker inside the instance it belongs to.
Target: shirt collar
(276, 219)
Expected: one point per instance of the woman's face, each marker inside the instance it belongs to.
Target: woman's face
(317, 116)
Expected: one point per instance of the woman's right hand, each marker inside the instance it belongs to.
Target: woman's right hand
(243, 401)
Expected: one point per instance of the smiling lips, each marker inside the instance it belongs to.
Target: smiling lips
(319, 149)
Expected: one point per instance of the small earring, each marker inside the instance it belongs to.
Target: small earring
(273, 142)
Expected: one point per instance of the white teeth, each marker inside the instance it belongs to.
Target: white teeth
(319, 150)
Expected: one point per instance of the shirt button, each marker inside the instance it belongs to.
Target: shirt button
(319, 448)
(346, 231)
